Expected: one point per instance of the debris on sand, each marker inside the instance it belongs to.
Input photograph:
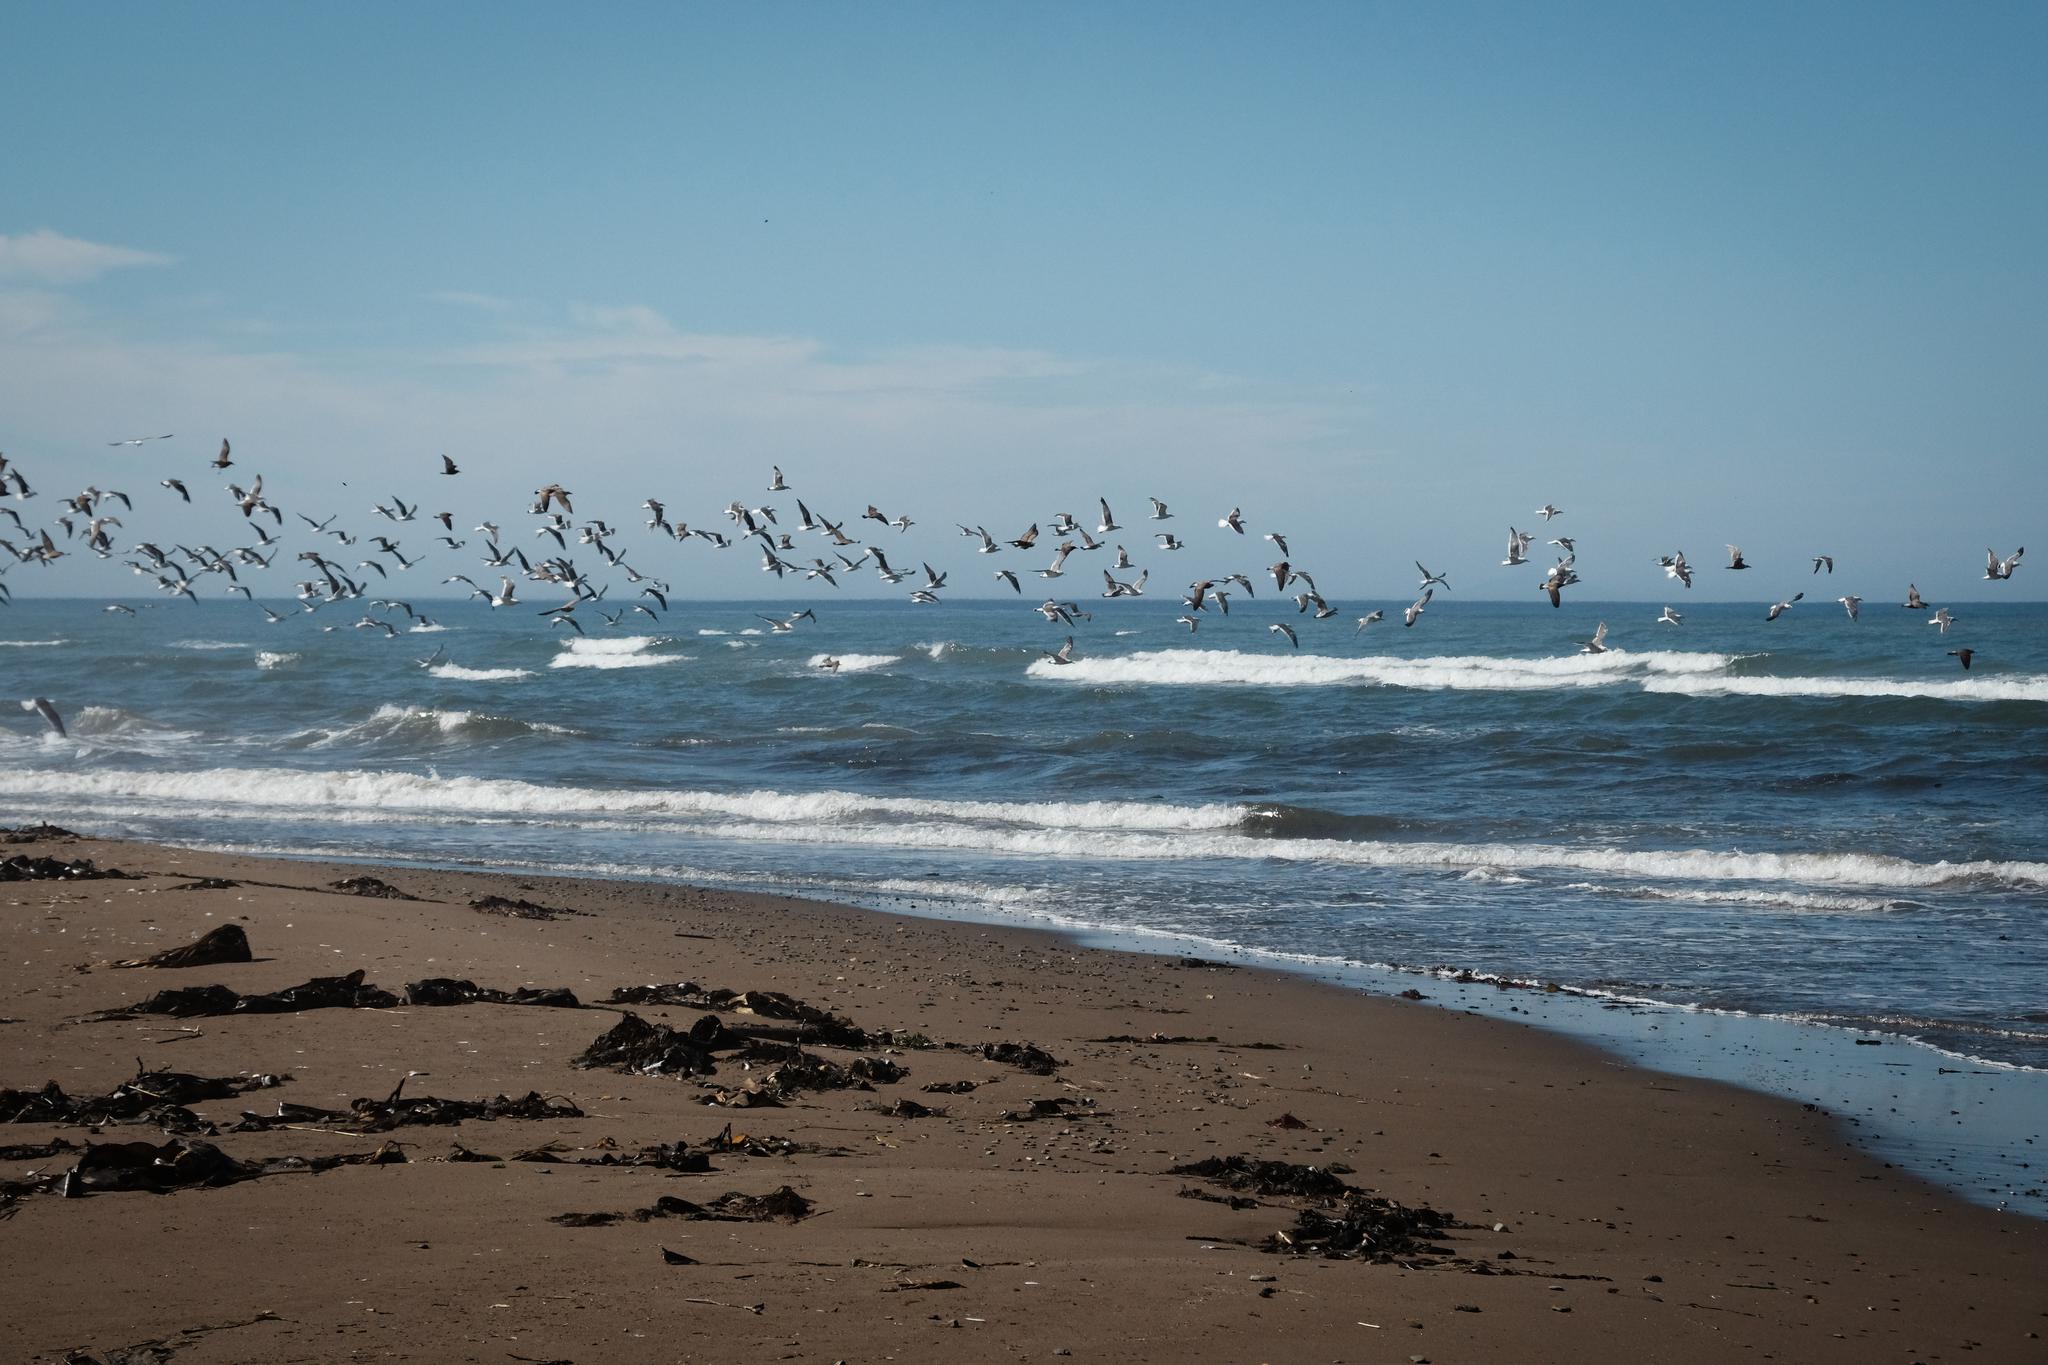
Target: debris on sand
(1271, 1178)
(396, 1111)
(1340, 1221)
(951, 1087)
(1053, 1107)
(1235, 1201)
(816, 1026)
(22, 868)
(150, 1097)
(633, 1044)
(227, 943)
(907, 1109)
(447, 990)
(321, 993)
(31, 834)
(370, 886)
(1365, 1227)
(1023, 1056)
(208, 884)
(783, 1204)
(519, 908)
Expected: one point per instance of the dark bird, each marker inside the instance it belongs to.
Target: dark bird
(43, 707)
(448, 466)
(221, 461)
(1963, 656)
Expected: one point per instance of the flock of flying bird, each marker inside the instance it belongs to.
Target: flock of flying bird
(88, 518)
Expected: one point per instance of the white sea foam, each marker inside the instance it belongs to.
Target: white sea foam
(267, 659)
(855, 663)
(1121, 830)
(2026, 687)
(708, 631)
(32, 644)
(626, 652)
(461, 674)
(1237, 668)
(208, 644)
(426, 628)
(424, 723)
(1764, 898)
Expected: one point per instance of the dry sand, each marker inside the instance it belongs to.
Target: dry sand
(1623, 1214)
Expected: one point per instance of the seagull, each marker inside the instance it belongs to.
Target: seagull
(1913, 601)
(221, 461)
(1780, 608)
(1548, 510)
(42, 706)
(1598, 644)
(1994, 567)
(1735, 560)
(1853, 605)
(775, 484)
(176, 486)
(1008, 577)
(136, 441)
(1676, 567)
(553, 492)
(1282, 628)
(1368, 619)
(1028, 539)
(1560, 577)
(1169, 541)
(1942, 618)
(1279, 540)
(1824, 560)
(1065, 655)
(1108, 522)
(1518, 548)
(448, 466)
(1408, 616)
(1963, 656)
(1567, 544)
(1190, 622)
(1670, 617)
(1159, 512)
(1235, 521)
(1431, 580)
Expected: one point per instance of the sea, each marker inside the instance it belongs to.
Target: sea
(1809, 855)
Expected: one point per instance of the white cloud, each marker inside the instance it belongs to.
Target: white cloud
(53, 258)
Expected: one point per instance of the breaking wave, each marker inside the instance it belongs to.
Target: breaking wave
(855, 663)
(628, 652)
(1237, 668)
(2031, 687)
(268, 659)
(460, 674)
(1119, 830)
(417, 723)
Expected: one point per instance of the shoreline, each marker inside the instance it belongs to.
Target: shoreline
(1761, 1227)
(1962, 1123)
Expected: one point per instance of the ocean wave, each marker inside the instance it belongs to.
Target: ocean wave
(2031, 687)
(855, 663)
(629, 651)
(32, 644)
(413, 724)
(1767, 899)
(208, 644)
(425, 628)
(268, 659)
(1237, 668)
(1119, 830)
(460, 674)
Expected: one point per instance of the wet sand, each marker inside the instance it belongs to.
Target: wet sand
(1600, 1211)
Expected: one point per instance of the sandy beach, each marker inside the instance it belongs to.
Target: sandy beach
(1455, 1188)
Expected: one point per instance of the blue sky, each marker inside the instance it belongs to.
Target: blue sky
(1388, 277)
